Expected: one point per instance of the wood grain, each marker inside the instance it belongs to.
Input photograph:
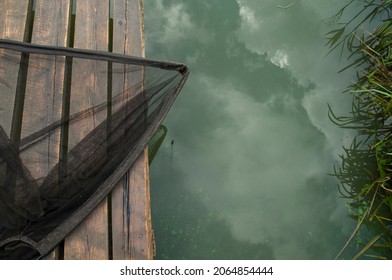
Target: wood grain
(13, 15)
(131, 217)
(89, 88)
(44, 88)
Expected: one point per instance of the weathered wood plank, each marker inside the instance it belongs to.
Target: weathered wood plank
(139, 177)
(89, 88)
(45, 85)
(131, 217)
(51, 22)
(13, 19)
(12, 26)
(44, 88)
(132, 233)
(120, 194)
(141, 229)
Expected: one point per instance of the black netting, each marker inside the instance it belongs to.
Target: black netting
(72, 122)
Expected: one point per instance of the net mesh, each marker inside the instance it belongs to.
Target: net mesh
(72, 122)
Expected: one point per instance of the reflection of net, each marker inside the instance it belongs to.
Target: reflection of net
(64, 164)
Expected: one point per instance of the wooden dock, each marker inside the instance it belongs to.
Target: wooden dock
(120, 227)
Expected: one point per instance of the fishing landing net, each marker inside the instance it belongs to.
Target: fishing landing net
(72, 123)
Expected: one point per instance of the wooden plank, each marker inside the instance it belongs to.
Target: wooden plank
(120, 194)
(131, 217)
(142, 246)
(141, 229)
(51, 22)
(13, 19)
(45, 85)
(45, 82)
(89, 88)
(13, 15)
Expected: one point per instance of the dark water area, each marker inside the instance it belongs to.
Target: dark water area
(243, 172)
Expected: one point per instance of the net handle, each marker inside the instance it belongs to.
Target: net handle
(92, 54)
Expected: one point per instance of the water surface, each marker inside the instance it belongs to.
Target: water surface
(243, 171)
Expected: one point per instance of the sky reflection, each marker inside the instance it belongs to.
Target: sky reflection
(247, 175)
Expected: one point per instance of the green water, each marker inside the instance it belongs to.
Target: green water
(243, 171)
